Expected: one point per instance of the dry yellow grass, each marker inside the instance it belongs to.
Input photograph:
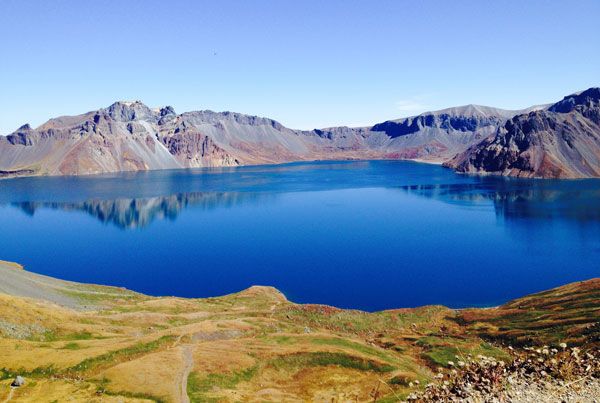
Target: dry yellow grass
(250, 346)
(140, 375)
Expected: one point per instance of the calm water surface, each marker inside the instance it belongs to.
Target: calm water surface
(368, 235)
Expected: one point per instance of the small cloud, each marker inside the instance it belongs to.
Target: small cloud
(417, 104)
(410, 105)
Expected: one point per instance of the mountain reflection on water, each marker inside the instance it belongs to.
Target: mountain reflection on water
(512, 199)
(128, 213)
(521, 199)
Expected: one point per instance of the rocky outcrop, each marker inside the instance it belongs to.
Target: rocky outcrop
(18, 381)
(197, 150)
(562, 141)
(15, 173)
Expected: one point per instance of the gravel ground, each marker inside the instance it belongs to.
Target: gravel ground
(544, 374)
(18, 282)
(21, 283)
(584, 391)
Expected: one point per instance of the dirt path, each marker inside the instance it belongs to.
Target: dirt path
(10, 395)
(273, 307)
(188, 365)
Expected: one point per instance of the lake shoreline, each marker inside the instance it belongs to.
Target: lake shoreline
(17, 175)
(53, 286)
(85, 341)
(364, 228)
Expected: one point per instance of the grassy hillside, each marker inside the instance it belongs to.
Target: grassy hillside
(98, 343)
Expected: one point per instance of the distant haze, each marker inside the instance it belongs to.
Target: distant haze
(307, 64)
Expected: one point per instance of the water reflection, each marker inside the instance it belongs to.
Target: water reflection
(512, 199)
(130, 213)
(521, 199)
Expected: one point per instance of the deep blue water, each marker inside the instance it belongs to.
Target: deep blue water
(368, 235)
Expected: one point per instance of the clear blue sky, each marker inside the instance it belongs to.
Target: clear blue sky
(305, 63)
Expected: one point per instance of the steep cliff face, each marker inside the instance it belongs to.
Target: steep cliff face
(467, 118)
(562, 141)
(193, 149)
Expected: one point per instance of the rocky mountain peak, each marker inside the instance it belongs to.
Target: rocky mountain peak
(25, 127)
(166, 114)
(126, 111)
(589, 98)
(167, 110)
(24, 135)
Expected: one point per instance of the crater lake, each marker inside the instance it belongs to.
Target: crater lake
(369, 235)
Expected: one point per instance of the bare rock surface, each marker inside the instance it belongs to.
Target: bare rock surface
(562, 141)
(18, 381)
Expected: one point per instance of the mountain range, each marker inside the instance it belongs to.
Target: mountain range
(559, 140)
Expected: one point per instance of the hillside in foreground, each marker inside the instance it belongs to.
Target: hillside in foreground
(97, 343)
